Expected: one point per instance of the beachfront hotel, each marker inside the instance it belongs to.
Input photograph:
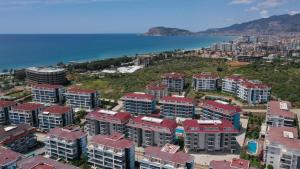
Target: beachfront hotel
(66, 143)
(282, 148)
(55, 116)
(216, 110)
(106, 122)
(139, 103)
(8, 158)
(210, 136)
(19, 138)
(157, 90)
(233, 164)
(111, 151)
(177, 106)
(47, 93)
(5, 107)
(168, 156)
(279, 114)
(174, 81)
(26, 113)
(85, 99)
(48, 75)
(150, 131)
(205, 82)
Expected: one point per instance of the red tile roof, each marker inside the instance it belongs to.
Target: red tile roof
(234, 164)
(206, 76)
(27, 107)
(8, 156)
(40, 162)
(115, 140)
(57, 109)
(138, 96)
(117, 118)
(80, 91)
(177, 157)
(275, 135)
(275, 109)
(156, 87)
(235, 78)
(14, 133)
(175, 99)
(66, 134)
(173, 75)
(166, 126)
(195, 127)
(253, 85)
(219, 107)
(4, 103)
(46, 86)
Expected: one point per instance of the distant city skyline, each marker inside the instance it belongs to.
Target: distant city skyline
(132, 16)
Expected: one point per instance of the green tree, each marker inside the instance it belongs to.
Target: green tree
(270, 166)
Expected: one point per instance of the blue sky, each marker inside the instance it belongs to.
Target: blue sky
(132, 16)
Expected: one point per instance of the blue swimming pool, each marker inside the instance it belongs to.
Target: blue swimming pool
(252, 147)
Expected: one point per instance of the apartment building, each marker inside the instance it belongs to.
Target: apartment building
(8, 158)
(19, 138)
(230, 83)
(253, 92)
(210, 136)
(26, 113)
(47, 93)
(157, 90)
(234, 164)
(214, 110)
(82, 98)
(205, 82)
(177, 106)
(150, 131)
(106, 122)
(67, 143)
(279, 114)
(282, 148)
(40, 162)
(174, 81)
(168, 156)
(5, 107)
(111, 152)
(55, 116)
(49, 75)
(139, 103)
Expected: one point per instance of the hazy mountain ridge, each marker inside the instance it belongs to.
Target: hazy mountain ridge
(164, 31)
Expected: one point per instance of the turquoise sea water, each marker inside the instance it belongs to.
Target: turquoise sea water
(19, 51)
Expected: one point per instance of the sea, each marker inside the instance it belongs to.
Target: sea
(21, 51)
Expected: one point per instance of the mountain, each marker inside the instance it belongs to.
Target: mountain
(164, 31)
(272, 25)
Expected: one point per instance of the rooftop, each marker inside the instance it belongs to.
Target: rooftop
(206, 76)
(78, 90)
(46, 86)
(176, 99)
(27, 107)
(11, 133)
(4, 103)
(280, 108)
(66, 134)
(45, 69)
(115, 140)
(219, 107)
(254, 84)
(173, 75)
(139, 96)
(109, 116)
(40, 162)
(209, 126)
(284, 136)
(8, 156)
(234, 164)
(57, 110)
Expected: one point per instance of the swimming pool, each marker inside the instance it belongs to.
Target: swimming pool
(252, 146)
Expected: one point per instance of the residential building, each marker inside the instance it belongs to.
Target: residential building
(234, 164)
(55, 116)
(85, 99)
(40, 162)
(150, 131)
(26, 113)
(5, 107)
(49, 75)
(168, 156)
(215, 110)
(253, 92)
(177, 106)
(248, 58)
(47, 93)
(8, 158)
(174, 81)
(139, 103)
(106, 122)
(282, 148)
(67, 143)
(157, 90)
(111, 151)
(230, 83)
(19, 138)
(210, 136)
(279, 114)
(205, 82)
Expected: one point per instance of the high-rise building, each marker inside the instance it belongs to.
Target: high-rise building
(174, 81)
(85, 99)
(47, 94)
(5, 107)
(111, 151)
(139, 103)
(48, 75)
(177, 106)
(205, 82)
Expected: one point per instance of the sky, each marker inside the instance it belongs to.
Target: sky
(132, 16)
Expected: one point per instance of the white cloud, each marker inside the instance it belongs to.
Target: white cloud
(241, 1)
(270, 3)
(293, 12)
(264, 14)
